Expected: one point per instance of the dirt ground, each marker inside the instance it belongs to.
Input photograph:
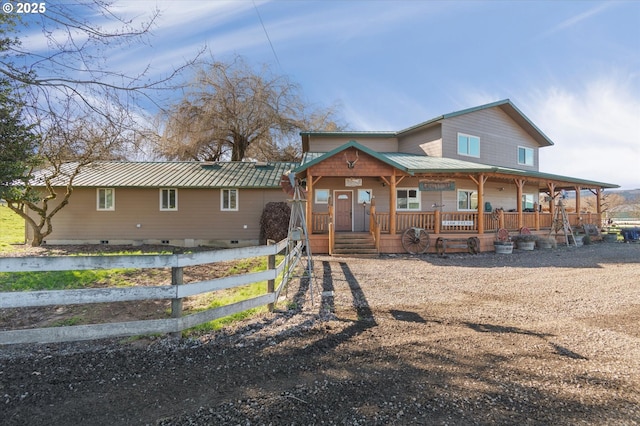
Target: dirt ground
(543, 337)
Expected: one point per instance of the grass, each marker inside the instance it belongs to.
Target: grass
(11, 229)
(229, 296)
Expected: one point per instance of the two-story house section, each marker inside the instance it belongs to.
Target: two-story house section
(466, 173)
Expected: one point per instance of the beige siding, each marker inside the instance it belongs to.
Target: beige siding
(327, 144)
(137, 217)
(425, 141)
(499, 136)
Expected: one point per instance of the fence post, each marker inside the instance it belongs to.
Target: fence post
(271, 284)
(177, 278)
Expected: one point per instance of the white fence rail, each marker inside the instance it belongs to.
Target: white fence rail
(175, 292)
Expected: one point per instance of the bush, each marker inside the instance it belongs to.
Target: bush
(274, 222)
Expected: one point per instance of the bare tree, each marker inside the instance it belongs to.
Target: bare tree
(83, 110)
(232, 112)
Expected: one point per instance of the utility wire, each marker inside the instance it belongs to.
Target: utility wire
(267, 34)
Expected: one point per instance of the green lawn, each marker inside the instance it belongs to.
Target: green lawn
(11, 229)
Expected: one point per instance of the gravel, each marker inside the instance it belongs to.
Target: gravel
(542, 337)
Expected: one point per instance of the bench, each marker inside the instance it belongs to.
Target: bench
(472, 244)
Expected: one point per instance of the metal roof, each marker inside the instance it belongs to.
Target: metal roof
(418, 164)
(183, 174)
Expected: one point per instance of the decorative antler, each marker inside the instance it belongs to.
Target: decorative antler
(351, 164)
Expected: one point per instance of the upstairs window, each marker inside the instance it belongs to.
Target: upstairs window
(525, 156)
(106, 199)
(168, 199)
(468, 145)
(229, 200)
(467, 200)
(407, 199)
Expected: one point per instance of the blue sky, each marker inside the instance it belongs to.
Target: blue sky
(573, 67)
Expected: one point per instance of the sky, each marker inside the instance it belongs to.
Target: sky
(572, 67)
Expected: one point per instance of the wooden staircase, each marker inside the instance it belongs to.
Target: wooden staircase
(360, 244)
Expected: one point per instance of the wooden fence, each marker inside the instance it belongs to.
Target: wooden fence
(175, 292)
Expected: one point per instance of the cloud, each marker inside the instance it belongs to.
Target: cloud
(595, 130)
(577, 19)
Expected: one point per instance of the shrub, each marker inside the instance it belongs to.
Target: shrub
(274, 222)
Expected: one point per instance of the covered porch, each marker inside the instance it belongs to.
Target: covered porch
(385, 194)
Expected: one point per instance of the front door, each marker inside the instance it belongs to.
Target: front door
(344, 210)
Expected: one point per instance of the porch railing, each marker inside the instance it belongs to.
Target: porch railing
(443, 222)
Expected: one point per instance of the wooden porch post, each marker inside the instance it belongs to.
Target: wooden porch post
(392, 205)
(482, 179)
(578, 201)
(552, 193)
(310, 199)
(599, 205)
(519, 188)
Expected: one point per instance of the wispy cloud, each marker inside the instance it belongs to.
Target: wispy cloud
(595, 130)
(577, 19)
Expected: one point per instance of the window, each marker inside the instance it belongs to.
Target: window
(106, 199)
(168, 199)
(407, 199)
(525, 156)
(468, 145)
(322, 196)
(527, 202)
(229, 199)
(467, 200)
(364, 196)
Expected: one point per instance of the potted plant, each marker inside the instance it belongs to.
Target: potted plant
(578, 238)
(546, 243)
(525, 241)
(503, 243)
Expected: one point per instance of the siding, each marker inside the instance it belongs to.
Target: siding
(329, 143)
(198, 216)
(424, 141)
(499, 135)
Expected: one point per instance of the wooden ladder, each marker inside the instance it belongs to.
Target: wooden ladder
(561, 221)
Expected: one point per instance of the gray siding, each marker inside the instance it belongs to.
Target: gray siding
(198, 217)
(499, 136)
(424, 141)
(329, 143)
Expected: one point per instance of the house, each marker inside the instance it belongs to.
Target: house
(175, 203)
(459, 175)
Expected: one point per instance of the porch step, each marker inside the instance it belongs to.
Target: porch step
(354, 244)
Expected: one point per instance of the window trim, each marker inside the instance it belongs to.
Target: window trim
(533, 156)
(471, 192)
(362, 190)
(168, 209)
(113, 200)
(418, 197)
(228, 209)
(317, 201)
(523, 200)
(467, 154)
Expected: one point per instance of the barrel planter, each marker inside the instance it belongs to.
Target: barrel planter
(526, 245)
(503, 247)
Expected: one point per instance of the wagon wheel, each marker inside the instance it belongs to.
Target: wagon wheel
(503, 234)
(474, 245)
(440, 246)
(415, 240)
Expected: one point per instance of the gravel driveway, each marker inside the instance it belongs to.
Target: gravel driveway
(543, 337)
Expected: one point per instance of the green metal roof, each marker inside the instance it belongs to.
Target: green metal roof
(416, 164)
(310, 159)
(183, 174)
